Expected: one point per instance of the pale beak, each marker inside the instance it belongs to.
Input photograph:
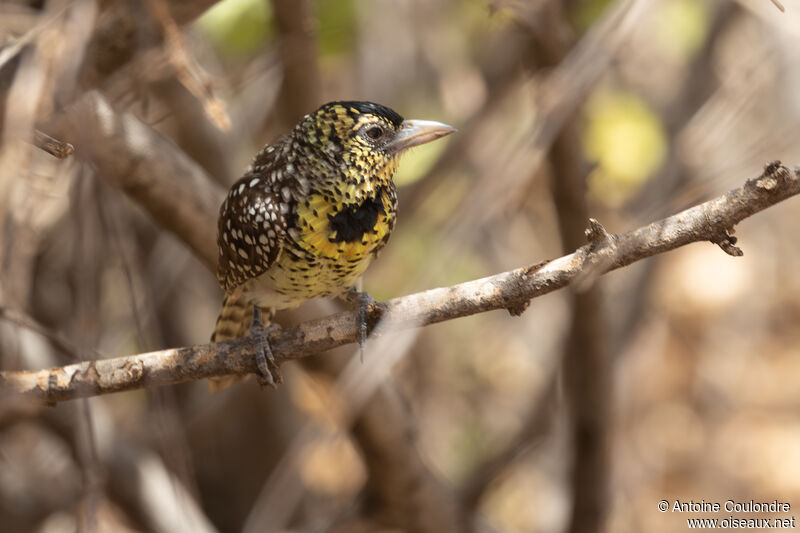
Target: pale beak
(416, 132)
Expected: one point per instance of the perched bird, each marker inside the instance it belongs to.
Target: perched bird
(309, 215)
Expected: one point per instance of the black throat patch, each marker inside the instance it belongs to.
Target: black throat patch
(351, 223)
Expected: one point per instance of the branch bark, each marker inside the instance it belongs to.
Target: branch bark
(710, 221)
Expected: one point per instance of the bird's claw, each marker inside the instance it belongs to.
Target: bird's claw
(362, 301)
(365, 300)
(268, 371)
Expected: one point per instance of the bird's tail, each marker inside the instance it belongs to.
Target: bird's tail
(233, 322)
(234, 317)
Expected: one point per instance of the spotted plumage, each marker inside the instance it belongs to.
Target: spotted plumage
(313, 209)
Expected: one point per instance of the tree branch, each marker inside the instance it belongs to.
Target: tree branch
(123, 30)
(710, 221)
(149, 168)
(587, 373)
(300, 87)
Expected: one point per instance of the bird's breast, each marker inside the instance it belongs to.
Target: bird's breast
(344, 231)
(329, 247)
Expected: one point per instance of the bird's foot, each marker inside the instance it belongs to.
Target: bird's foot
(269, 373)
(362, 301)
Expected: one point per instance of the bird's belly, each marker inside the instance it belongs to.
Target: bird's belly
(289, 282)
(326, 251)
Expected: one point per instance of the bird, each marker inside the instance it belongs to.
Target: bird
(308, 217)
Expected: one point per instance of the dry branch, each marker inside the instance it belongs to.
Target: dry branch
(52, 146)
(123, 30)
(300, 87)
(149, 168)
(586, 369)
(710, 221)
(24, 321)
(187, 70)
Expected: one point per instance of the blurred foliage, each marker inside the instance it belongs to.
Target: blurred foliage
(681, 26)
(238, 27)
(241, 27)
(626, 140)
(587, 13)
(417, 162)
(336, 25)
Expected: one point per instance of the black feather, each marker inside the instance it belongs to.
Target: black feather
(351, 223)
(373, 109)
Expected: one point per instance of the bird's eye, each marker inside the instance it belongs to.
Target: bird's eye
(374, 132)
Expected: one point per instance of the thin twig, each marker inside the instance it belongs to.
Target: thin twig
(117, 38)
(15, 46)
(54, 147)
(187, 70)
(708, 221)
(779, 6)
(59, 341)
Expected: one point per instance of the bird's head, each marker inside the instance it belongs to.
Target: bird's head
(363, 139)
